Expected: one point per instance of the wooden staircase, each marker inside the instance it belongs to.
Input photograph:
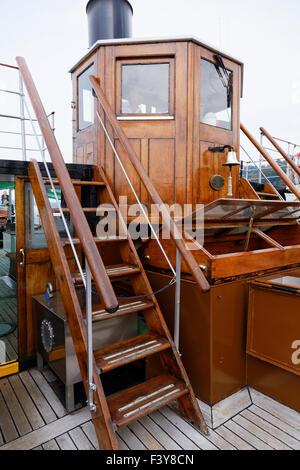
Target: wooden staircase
(130, 404)
(110, 259)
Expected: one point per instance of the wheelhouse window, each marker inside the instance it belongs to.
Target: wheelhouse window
(215, 95)
(85, 100)
(146, 89)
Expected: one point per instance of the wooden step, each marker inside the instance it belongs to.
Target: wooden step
(100, 210)
(117, 271)
(78, 183)
(143, 399)
(126, 308)
(120, 354)
(101, 240)
(268, 195)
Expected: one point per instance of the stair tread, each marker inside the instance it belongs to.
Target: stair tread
(268, 195)
(138, 401)
(119, 354)
(115, 271)
(78, 182)
(126, 307)
(99, 209)
(76, 241)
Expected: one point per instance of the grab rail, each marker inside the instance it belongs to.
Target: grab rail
(82, 228)
(166, 218)
(272, 163)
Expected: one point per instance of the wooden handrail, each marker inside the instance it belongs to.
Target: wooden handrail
(166, 218)
(273, 164)
(82, 228)
(280, 150)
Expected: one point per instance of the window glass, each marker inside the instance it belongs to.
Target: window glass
(85, 100)
(215, 96)
(145, 89)
(34, 233)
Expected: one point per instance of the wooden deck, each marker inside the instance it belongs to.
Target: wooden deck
(32, 417)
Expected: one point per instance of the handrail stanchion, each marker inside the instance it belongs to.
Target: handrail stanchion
(177, 300)
(89, 325)
(22, 115)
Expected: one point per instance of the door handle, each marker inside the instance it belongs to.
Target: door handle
(22, 257)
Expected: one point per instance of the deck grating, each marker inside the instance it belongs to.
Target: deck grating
(32, 418)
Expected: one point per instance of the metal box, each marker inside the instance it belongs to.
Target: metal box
(54, 343)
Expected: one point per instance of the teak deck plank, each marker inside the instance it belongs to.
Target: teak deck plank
(80, 440)
(144, 436)
(50, 431)
(184, 442)
(253, 428)
(48, 393)
(272, 420)
(233, 439)
(271, 429)
(18, 415)
(165, 440)
(188, 430)
(260, 433)
(38, 398)
(257, 443)
(65, 442)
(7, 426)
(130, 439)
(51, 445)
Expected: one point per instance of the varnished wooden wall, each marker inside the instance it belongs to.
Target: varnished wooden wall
(174, 152)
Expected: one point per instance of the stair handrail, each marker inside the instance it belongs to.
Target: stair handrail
(166, 218)
(101, 279)
(271, 162)
(290, 162)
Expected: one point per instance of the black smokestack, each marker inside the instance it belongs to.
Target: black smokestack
(109, 19)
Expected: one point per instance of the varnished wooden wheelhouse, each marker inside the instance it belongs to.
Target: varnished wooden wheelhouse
(246, 237)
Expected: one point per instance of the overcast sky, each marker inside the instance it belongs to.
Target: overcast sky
(264, 34)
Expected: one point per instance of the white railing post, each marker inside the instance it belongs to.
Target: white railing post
(22, 116)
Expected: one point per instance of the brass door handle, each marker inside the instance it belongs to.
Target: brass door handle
(22, 257)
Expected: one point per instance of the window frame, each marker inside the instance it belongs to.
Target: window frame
(212, 61)
(146, 61)
(92, 64)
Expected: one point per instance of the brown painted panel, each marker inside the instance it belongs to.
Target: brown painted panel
(161, 167)
(194, 330)
(274, 382)
(229, 320)
(273, 326)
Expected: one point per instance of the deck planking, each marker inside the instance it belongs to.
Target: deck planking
(32, 418)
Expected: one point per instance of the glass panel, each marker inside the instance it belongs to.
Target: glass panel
(34, 236)
(145, 89)
(85, 100)
(227, 210)
(8, 275)
(215, 102)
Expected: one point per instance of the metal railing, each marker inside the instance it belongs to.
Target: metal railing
(255, 167)
(275, 164)
(21, 117)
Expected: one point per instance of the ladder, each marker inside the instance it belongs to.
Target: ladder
(107, 261)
